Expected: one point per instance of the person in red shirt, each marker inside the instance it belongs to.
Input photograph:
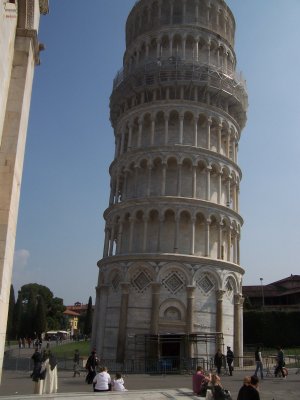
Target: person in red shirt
(198, 379)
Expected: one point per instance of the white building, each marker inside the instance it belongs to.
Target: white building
(170, 277)
(19, 53)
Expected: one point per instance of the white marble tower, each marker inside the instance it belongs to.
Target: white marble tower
(171, 260)
(19, 52)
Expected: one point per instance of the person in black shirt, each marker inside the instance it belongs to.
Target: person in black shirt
(229, 358)
(249, 392)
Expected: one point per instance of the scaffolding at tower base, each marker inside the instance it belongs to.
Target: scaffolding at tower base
(193, 350)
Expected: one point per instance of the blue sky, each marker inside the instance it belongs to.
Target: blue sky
(70, 143)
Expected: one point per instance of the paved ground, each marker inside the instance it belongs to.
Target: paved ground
(149, 386)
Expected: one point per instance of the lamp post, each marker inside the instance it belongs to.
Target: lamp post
(262, 293)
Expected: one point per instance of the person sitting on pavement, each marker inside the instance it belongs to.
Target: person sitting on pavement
(219, 393)
(102, 381)
(118, 383)
(199, 381)
(243, 389)
(250, 392)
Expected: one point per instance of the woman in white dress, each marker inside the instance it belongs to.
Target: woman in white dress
(50, 382)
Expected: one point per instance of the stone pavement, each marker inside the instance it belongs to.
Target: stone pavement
(19, 386)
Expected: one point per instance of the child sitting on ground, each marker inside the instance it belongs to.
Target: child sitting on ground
(118, 383)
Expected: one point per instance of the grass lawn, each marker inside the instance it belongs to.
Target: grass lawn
(67, 350)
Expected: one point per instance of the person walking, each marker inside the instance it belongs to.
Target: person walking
(259, 362)
(36, 373)
(218, 361)
(91, 365)
(229, 359)
(76, 361)
(280, 363)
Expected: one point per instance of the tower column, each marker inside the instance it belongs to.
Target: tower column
(121, 344)
(146, 219)
(106, 242)
(149, 180)
(119, 241)
(161, 220)
(237, 328)
(112, 240)
(177, 220)
(219, 134)
(220, 238)
(152, 130)
(100, 318)
(208, 171)
(190, 294)
(181, 118)
(229, 244)
(166, 128)
(194, 183)
(197, 11)
(219, 187)
(131, 228)
(155, 308)
(219, 308)
(196, 119)
(193, 225)
(209, 123)
(130, 137)
(163, 181)
(179, 179)
(139, 142)
(238, 249)
(122, 141)
(207, 243)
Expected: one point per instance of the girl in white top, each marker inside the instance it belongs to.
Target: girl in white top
(118, 383)
(102, 381)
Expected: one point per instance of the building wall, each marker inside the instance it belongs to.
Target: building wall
(19, 42)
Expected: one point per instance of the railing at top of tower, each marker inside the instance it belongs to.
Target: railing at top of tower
(229, 79)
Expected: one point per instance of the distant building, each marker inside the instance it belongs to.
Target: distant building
(72, 318)
(283, 295)
(78, 308)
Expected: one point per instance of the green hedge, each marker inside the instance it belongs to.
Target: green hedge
(272, 328)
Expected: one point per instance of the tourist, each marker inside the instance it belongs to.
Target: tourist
(200, 381)
(218, 392)
(280, 363)
(91, 365)
(37, 364)
(118, 383)
(249, 391)
(218, 361)
(102, 381)
(243, 389)
(76, 361)
(50, 365)
(259, 362)
(229, 359)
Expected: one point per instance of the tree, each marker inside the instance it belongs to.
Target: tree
(29, 299)
(87, 330)
(18, 315)
(40, 319)
(10, 319)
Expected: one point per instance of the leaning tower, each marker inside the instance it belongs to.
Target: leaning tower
(170, 280)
